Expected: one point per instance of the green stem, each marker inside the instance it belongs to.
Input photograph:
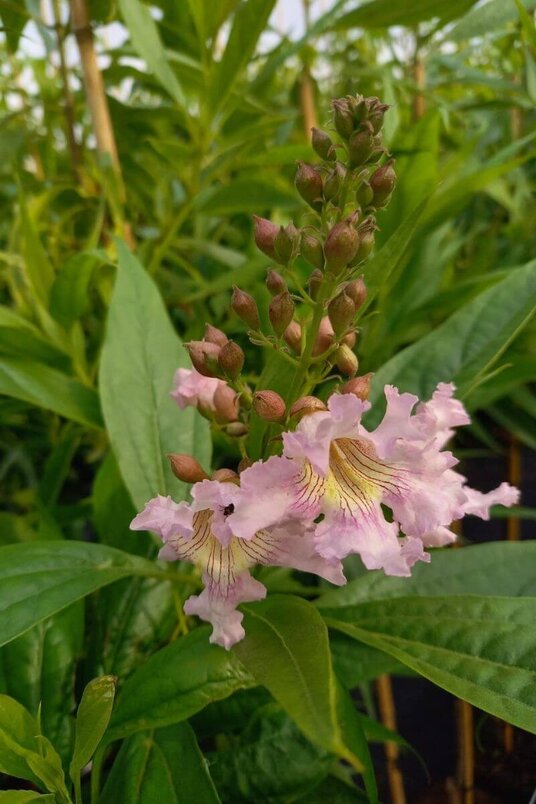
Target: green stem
(96, 769)
(77, 789)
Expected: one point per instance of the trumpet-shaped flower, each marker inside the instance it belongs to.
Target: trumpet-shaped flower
(192, 388)
(384, 494)
(202, 533)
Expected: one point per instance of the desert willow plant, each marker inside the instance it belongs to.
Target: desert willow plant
(336, 488)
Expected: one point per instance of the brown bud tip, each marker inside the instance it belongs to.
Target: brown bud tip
(315, 280)
(325, 337)
(359, 386)
(341, 312)
(334, 182)
(236, 429)
(350, 338)
(204, 357)
(225, 476)
(382, 183)
(292, 336)
(343, 118)
(357, 291)
(361, 145)
(214, 335)
(269, 406)
(231, 359)
(322, 144)
(281, 311)
(366, 240)
(275, 282)
(345, 360)
(286, 243)
(305, 405)
(244, 464)
(341, 245)
(312, 251)
(265, 233)
(309, 185)
(226, 404)
(246, 308)
(187, 468)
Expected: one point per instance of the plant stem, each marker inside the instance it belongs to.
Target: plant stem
(77, 789)
(312, 332)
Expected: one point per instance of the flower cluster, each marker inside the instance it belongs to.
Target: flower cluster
(337, 488)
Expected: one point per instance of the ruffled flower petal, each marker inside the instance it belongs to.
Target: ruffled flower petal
(478, 503)
(264, 496)
(165, 517)
(192, 388)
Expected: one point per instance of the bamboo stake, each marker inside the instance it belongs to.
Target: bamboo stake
(466, 757)
(386, 703)
(419, 76)
(307, 97)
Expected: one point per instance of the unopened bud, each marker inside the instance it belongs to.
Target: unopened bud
(292, 336)
(361, 145)
(246, 308)
(315, 280)
(364, 194)
(204, 357)
(366, 241)
(226, 404)
(345, 360)
(265, 233)
(225, 476)
(186, 468)
(281, 312)
(214, 335)
(350, 338)
(341, 245)
(359, 386)
(376, 113)
(285, 243)
(382, 183)
(236, 429)
(357, 291)
(305, 405)
(322, 144)
(275, 282)
(309, 185)
(231, 359)
(312, 251)
(325, 337)
(268, 405)
(244, 464)
(343, 118)
(334, 182)
(341, 312)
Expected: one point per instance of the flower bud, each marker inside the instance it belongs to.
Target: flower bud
(366, 241)
(376, 113)
(214, 335)
(204, 357)
(343, 118)
(285, 243)
(281, 312)
(350, 338)
(225, 475)
(382, 183)
(292, 336)
(357, 291)
(325, 337)
(265, 233)
(246, 308)
(364, 194)
(186, 468)
(275, 282)
(361, 145)
(341, 312)
(226, 405)
(322, 144)
(236, 429)
(345, 360)
(309, 185)
(315, 280)
(312, 251)
(231, 359)
(269, 406)
(244, 464)
(305, 405)
(359, 386)
(341, 245)
(334, 182)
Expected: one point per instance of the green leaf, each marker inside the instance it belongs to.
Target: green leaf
(175, 683)
(25, 797)
(498, 568)
(47, 388)
(38, 268)
(488, 18)
(146, 41)
(141, 353)
(19, 337)
(14, 18)
(246, 195)
(466, 344)
(355, 663)
(92, 721)
(286, 649)
(249, 22)
(482, 649)
(527, 23)
(384, 13)
(69, 295)
(40, 578)
(164, 765)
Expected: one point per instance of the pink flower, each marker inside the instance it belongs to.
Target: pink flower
(348, 475)
(192, 388)
(203, 533)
